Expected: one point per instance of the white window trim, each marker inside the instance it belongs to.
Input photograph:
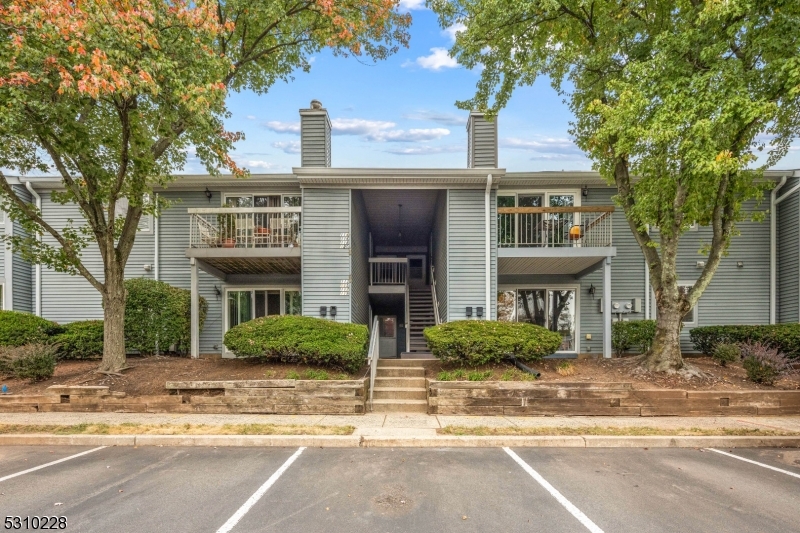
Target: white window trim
(251, 288)
(695, 310)
(552, 287)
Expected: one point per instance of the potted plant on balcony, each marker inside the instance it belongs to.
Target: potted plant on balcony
(227, 230)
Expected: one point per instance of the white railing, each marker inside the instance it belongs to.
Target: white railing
(245, 227)
(387, 270)
(588, 226)
(433, 294)
(372, 358)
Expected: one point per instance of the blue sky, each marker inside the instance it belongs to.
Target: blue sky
(401, 113)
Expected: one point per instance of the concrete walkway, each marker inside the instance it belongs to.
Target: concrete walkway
(408, 425)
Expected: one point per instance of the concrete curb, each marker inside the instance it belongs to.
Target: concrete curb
(444, 441)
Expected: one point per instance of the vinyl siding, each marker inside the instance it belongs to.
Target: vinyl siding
(315, 140)
(359, 260)
(326, 254)
(22, 271)
(482, 142)
(67, 298)
(466, 255)
(174, 267)
(440, 253)
(788, 256)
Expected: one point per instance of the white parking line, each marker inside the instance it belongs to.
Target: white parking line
(232, 521)
(35, 468)
(582, 518)
(782, 471)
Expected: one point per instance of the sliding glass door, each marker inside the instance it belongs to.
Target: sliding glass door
(551, 308)
(246, 304)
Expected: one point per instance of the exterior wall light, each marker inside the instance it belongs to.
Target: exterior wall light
(208, 195)
(585, 191)
(591, 290)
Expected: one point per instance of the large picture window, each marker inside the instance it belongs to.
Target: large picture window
(551, 308)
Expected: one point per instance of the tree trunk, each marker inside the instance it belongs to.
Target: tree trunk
(665, 352)
(114, 323)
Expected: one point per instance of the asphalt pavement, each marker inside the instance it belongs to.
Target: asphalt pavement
(199, 489)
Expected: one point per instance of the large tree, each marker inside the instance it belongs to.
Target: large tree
(673, 101)
(110, 95)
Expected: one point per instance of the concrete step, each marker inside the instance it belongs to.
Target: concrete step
(400, 393)
(400, 382)
(402, 362)
(400, 372)
(400, 406)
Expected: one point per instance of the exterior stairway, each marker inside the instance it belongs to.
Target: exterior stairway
(400, 387)
(421, 316)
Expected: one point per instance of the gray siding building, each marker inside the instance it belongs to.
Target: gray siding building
(412, 247)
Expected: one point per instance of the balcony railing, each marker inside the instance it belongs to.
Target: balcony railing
(387, 270)
(531, 227)
(245, 227)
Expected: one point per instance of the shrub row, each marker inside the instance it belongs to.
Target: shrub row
(33, 362)
(293, 338)
(157, 319)
(637, 334)
(479, 342)
(784, 337)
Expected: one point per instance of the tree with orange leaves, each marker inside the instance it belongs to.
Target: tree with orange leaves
(110, 94)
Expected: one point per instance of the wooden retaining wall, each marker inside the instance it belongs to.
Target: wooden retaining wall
(610, 399)
(286, 396)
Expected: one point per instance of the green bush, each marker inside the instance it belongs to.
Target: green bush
(480, 342)
(17, 329)
(637, 334)
(158, 316)
(81, 340)
(33, 362)
(726, 353)
(302, 339)
(784, 337)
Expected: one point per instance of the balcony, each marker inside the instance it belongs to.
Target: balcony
(246, 240)
(553, 240)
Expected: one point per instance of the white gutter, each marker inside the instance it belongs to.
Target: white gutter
(156, 224)
(487, 209)
(38, 276)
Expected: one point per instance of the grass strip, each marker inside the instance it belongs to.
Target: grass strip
(484, 431)
(129, 428)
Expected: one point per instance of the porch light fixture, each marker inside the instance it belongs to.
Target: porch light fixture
(208, 195)
(585, 191)
(591, 290)
(217, 291)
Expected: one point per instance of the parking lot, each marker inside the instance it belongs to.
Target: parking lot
(199, 489)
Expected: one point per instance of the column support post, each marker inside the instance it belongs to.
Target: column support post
(195, 314)
(607, 308)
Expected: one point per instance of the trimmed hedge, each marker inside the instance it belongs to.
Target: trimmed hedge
(479, 342)
(301, 338)
(81, 340)
(158, 316)
(17, 329)
(784, 337)
(637, 334)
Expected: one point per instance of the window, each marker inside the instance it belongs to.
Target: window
(263, 200)
(244, 305)
(145, 221)
(551, 308)
(690, 319)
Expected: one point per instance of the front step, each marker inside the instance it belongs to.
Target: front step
(400, 382)
(400, 372)
(399, 393)
(403, 362)
(400, 406)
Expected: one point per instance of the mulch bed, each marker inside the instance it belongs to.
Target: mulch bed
(148, 375)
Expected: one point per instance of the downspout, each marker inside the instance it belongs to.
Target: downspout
(38, 271)
(773, 246)
(647, 286)
(487, 209)
(156, 225)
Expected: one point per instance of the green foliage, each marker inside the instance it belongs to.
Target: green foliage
(316, 374)
(302, 339)
(80, 340)
(33, 362)
(784, 337)
(515, 374)
(727, 353)
(763, 363)
(632, 334)
(158, 316)
(17, 329)
(293, 374)
(477, 375)
(479, 342)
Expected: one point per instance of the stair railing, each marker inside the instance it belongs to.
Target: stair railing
(372, 358)
(408, 318)
(435, 300)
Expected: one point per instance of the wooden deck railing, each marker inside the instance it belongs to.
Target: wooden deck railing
(586, 226)
(245, 227)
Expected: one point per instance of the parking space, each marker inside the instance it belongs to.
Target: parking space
(407, 489)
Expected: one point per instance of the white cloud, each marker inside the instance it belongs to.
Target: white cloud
(289, 147)
(283, 127)
(545, 148)
(452, 30)
(437, 60)
(412, 4)
(427, 150)
(261, 164)
(251, 117)
(448, 119)
(358, 126)
(412, 135)
(794, 148)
